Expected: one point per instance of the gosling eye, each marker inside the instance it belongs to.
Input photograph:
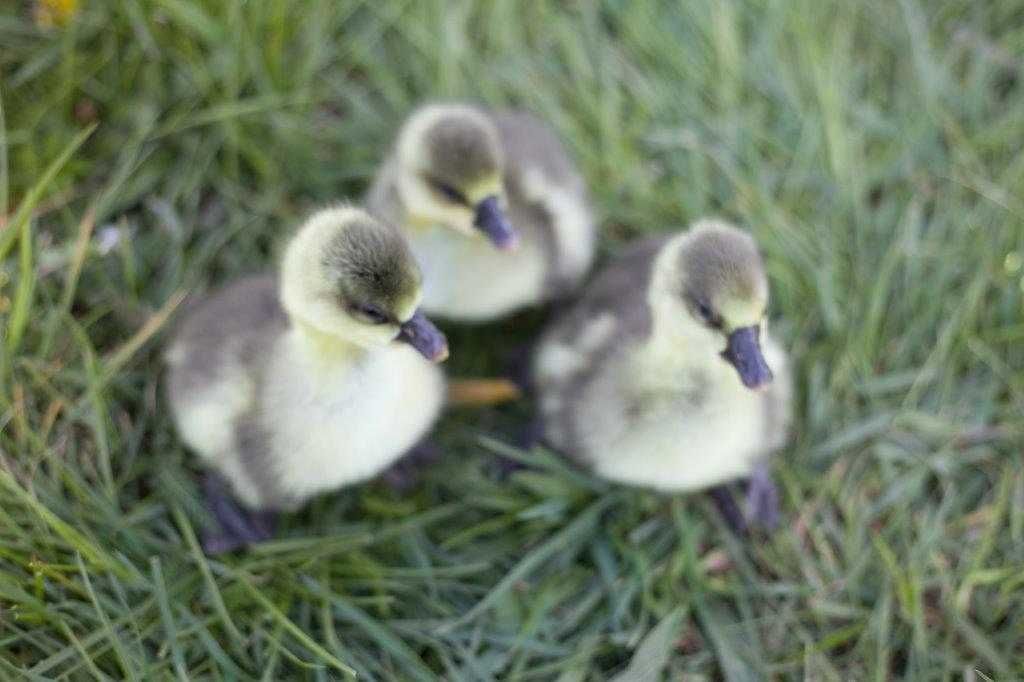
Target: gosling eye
(448, 192)
(370, 313)
(708, 315)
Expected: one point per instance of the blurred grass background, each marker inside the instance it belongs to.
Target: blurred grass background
(154, 147)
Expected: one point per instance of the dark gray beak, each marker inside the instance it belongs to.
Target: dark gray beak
(421, 334)
(744, 353)
(491, 220)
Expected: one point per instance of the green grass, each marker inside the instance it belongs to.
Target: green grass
(873, 147)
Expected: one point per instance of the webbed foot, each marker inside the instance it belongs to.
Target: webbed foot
(403, 475)
(763, 498)
(238, 527)
(730, 511)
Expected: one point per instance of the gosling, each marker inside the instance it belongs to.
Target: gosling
(662, 374)
(493, 207)
(292, 386)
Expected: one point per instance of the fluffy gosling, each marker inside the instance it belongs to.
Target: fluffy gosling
(292, 386)
(662, 373)
(493, 208)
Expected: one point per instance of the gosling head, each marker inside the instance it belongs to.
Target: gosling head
(721, 295)
(352, 277)
(449, 167)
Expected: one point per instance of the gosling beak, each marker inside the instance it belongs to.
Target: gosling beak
(491, 220)
(744, 353)
(421, 334)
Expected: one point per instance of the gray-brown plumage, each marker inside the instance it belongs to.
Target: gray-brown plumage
(237, 324)
(657, 377)
(617, 291)
(493, 206)
(233, 332)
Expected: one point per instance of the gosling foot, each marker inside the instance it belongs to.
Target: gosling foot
(237, 527)
(731, 513)
(763, 498)
(403, 475)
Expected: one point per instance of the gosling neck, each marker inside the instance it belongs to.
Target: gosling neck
(328, 349)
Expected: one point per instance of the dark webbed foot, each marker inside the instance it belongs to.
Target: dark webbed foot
(519, 367)
(530, 434)
(763, 498)
(238, 527)
(403, 475)
(506, 466)
(730, 511)
(525, 437)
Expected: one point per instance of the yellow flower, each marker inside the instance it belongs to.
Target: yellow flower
(50, 13)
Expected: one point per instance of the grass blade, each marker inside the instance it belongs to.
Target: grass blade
(14, 227)
(385, 638)
(81, 545)
(583, 523)
(655, 650)
(296, 632)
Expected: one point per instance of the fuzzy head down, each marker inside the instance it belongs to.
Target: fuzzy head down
(709, 295)
(351, 276)
(449, 161)
(721, 273)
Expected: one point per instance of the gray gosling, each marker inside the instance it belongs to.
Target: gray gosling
(662, 373)
(493, 208)
(289, 387)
